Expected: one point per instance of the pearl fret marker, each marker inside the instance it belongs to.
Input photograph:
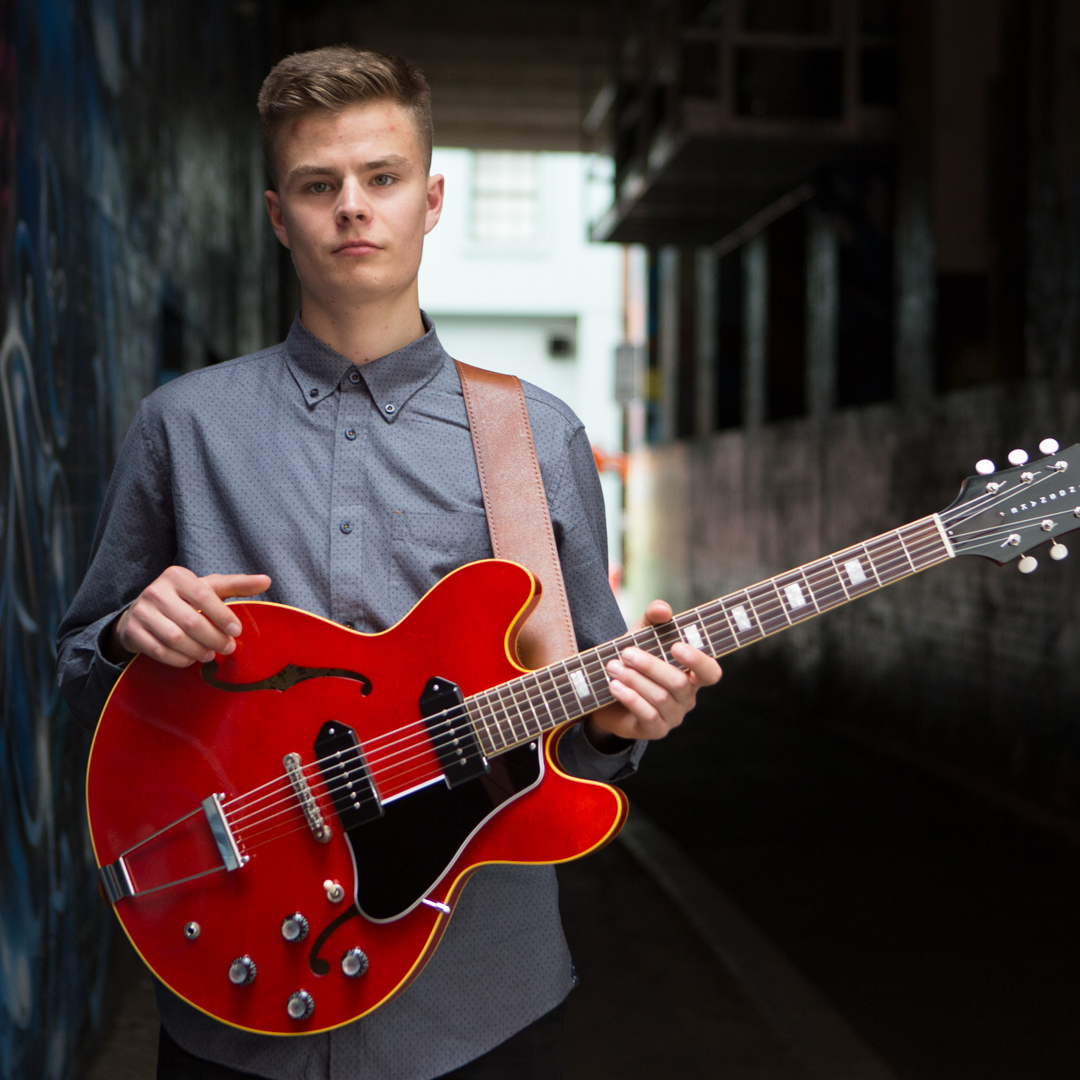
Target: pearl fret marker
(854, 571)
(794, 596)
(742, 620)
(581, 685)
(693, 636)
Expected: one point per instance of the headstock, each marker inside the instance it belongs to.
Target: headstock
(1005, 514)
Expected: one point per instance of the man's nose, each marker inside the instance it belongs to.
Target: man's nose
(352, 206)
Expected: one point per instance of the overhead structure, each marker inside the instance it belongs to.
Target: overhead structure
(717, 108)
(508, 76)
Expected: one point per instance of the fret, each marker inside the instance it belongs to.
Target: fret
(502, 717)
(729, 642)
(524, 701)
(762, 610)
(513, 714)
(911, 562)
(840, 576)
(492, 722)
(810, 590)
(836, 591)
(554, 695)
(925, 534)
(694, 633)
(870, 560)
(480, 726)
(740, 618)
(562, 687)
(783, 606)
(893, 563)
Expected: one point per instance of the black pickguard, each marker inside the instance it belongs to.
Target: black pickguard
(401, 855)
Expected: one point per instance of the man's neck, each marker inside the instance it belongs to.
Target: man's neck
(363, 332)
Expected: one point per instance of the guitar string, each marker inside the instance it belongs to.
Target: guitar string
(373, 745)
(811, 572)
(768, 617)
(996, 498)
(769, 612)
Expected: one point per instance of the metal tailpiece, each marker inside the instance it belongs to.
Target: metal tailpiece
(223, 837)
(116, 881)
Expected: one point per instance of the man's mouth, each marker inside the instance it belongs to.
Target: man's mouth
(357, 247)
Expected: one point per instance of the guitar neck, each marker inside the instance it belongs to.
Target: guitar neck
(524, 708)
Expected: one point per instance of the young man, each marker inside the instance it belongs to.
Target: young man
(335, 472)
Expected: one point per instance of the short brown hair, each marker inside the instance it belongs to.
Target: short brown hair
(333, 78)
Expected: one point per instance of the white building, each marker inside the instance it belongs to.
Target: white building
(514, 285)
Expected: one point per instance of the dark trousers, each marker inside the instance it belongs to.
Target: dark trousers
(534, 1053)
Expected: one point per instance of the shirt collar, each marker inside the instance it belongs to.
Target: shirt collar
(391, 380)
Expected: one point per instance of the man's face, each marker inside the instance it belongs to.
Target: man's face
(354, 202)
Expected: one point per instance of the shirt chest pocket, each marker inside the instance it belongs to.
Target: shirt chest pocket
(428, 545)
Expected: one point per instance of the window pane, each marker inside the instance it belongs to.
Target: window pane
(505, 202)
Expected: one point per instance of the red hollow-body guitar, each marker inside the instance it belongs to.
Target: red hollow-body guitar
(284, 832)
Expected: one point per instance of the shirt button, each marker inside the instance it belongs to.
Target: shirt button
(314, 391)
(346, 527)
(354, 376)
(348, 625)
(390, 409)
(350, 434)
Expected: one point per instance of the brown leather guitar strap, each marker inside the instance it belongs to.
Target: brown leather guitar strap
(516, 505)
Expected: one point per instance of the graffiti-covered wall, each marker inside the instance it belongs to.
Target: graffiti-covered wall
(133, 248)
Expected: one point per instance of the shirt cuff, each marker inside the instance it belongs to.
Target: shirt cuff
(580, 758)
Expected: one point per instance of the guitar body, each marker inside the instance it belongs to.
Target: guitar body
(169, 739)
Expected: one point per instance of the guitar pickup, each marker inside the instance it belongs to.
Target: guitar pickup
(451, 732)
(347, 776)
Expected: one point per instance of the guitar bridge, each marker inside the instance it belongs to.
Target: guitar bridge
(294, 771)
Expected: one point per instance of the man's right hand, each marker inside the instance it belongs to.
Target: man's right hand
(181, 619)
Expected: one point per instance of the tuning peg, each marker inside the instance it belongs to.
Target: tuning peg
(1027, 564)
(1058, 552)
(1018, 457)
(985, 467)
(1049, 446)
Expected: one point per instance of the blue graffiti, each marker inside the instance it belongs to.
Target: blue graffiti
(57, 357)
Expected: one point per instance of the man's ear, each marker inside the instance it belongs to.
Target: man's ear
(277, 221)
(434, 202)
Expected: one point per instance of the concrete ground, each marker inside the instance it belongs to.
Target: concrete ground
(784, 904)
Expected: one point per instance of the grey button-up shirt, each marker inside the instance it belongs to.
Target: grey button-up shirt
(356, 490)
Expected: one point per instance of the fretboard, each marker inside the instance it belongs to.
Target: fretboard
(524, 708)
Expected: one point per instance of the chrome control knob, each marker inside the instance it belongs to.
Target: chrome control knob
(294, 927)
(355, 964)
(242, 971)
(301, 1005)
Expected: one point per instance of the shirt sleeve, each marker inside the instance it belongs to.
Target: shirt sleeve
(577, 515)
(135, 541)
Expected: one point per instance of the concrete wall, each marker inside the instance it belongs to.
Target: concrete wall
(972, 665)
(132, 246)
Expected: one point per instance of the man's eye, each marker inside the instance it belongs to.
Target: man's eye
(383, 180)
(320, 187)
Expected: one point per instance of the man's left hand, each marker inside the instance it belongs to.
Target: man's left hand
(651, 695)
